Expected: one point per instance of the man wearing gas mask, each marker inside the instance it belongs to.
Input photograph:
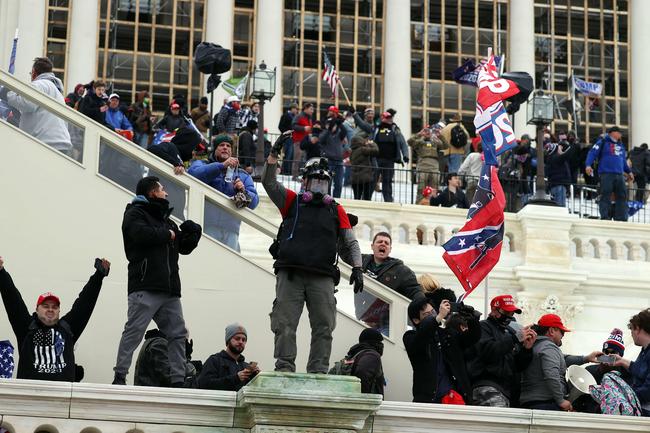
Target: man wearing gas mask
(305, 252)
(502, 353)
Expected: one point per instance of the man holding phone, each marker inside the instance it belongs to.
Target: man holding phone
(227, 370)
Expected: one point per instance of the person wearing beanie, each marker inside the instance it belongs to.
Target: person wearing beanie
(222, 172)
(437, 353)
(639, 370)
(614, 345)
(543, 384)
(43, 333)
(366, 361)
(227, 370)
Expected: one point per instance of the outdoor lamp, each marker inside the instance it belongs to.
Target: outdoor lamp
(263, 83)
(540, 109)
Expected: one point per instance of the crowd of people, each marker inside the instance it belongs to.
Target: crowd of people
(456, 357)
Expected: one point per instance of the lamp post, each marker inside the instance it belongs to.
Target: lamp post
(540, 113)
(263, 90)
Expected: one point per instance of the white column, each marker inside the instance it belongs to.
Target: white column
(521, 54)
(640, 41)
(397, 62)
(219, 28)
(82, 43)
(269, 47)
(32, 16)
(8, 23)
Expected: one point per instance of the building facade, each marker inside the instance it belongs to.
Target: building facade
(388, 55)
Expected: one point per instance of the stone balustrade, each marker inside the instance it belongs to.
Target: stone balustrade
(271, 403)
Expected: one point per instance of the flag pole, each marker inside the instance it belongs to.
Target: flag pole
(487, 301)
(573, 103)
(344, 92)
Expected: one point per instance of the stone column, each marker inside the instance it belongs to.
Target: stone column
(82, 43)
(219, 28)
(397, 63)
(640, 41)
(32, 15)
(269, 48)
(521, 56)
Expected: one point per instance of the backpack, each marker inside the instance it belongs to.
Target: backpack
(615, 396)
(345, 367)
(211, 58)
(458, 137)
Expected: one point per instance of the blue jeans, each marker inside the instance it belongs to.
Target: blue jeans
(336, 167)
(142, 140)
(612, 183)
(453, 162)
(558, 192)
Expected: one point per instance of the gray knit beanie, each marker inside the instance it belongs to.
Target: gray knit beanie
(234, 329)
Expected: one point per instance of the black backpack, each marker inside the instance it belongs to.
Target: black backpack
(458, 137)
(212, 58)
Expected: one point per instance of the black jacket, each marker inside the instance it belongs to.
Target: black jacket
(91, 105)
(152, 367)
(37, 343)
(152, 255)
(448, 199)
(427, 345)
(247, 148)
(498, 359)
(395, 275)
(557, 167)
(220, 373)
(286, 121)
(640, 161)
(368, 368)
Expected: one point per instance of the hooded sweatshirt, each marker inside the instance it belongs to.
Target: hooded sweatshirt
(39, 122)
(610, 154)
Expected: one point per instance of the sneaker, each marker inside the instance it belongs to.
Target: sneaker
(119, 379)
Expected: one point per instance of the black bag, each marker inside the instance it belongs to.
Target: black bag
(212, 58)
(458, 137)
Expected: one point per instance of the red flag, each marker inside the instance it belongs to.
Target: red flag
(475, 249)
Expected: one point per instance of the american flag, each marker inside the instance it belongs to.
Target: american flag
(330, 76)
(6, 359)
(49, 347)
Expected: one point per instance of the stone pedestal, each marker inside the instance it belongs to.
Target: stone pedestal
(304, 403)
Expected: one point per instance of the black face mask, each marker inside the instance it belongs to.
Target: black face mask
(505, 320)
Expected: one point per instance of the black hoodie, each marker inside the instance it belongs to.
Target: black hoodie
(47, 352)
(367, 366)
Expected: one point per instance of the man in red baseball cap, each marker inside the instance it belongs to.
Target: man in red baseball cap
(500, 356)
(45, 340)
(543, 384)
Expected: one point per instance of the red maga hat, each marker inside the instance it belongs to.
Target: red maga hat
(552, 321)
(506, 303)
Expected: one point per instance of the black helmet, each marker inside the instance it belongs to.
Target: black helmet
(318, 168)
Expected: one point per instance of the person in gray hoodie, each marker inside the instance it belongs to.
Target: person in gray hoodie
(36, 120)
(543, 384)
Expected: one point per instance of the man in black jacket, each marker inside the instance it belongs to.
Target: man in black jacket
(389, 271)
(452, 196)
(95, 104)
(499, 357)
(436, 353)
(152, 243)
(152, 366)
(640, 157)
(367, 361)
(227, 370)
(247, 146)
(45, 341)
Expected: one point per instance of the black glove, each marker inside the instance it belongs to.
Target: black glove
(3, 93)
(279, 143)
(357, 279)
(190, 226)
(100, 268)
(406, 160)
(352, 110)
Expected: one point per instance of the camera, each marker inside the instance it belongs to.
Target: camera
(465, 310)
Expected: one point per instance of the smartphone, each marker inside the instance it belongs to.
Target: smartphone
(606, 359)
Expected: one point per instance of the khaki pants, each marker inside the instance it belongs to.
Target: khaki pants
(293, 290)
(428, 174)
(297, 159)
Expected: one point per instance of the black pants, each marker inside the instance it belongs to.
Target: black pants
(640, 184)
(363, 191)
(387, 171)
